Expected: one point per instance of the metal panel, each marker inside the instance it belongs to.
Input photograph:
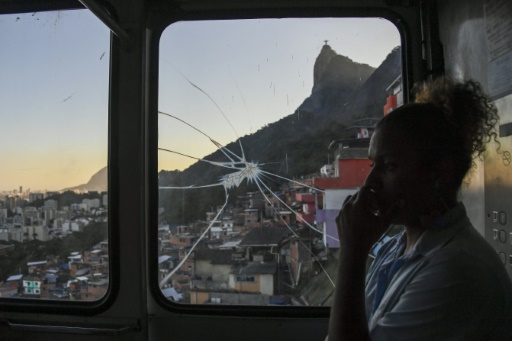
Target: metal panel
(489, 196)
(498, 189)
(462, 33)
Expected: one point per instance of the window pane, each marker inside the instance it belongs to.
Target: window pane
(264, 127)
(54, 79)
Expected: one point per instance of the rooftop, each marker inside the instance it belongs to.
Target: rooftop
(43, 262)
(353, 153)
(14, 278)
(162, 259)
(216, 256)
(265, 236)
(228, 245)
(255, 268)
(171, 293)
(82, 272)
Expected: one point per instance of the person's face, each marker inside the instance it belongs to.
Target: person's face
(397, 175)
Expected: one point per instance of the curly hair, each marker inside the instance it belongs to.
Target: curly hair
(448, 121)
(466, 107)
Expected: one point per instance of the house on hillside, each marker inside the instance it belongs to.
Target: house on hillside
(254, 277)
(32, 286)
(211, 273)
(395, 95)
(256, 200)
(8, 291)
(183, 240)
(351, 167)
(307, 210)
(251, 217)
(12, 287)
(36, 267)
(298, 256)
(172, 294)
(213, 265)
(260, 244)
(165, 264)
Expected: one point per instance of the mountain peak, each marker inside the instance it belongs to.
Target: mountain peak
(336, 78)
(97, 183)
(322, 61)
(296, 144)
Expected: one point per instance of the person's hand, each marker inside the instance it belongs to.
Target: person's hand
(360, 224)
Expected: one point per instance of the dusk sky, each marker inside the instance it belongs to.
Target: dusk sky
(54, 86)
(256, 71)
(54, 96)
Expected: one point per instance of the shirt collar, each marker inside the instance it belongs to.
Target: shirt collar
(441, 231)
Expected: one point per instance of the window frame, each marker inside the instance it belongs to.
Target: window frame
(83, 308)
(159, 20)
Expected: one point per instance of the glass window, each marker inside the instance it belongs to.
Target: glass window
(54, 79)
(264, 127)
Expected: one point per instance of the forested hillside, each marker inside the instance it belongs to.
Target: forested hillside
(296, 145)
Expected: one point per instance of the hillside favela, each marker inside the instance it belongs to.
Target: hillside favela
(242, 238)
(260, 234)
(53, 244)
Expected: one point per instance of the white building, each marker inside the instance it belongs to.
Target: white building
(39, 232)
(9, 233)
(32, 286)
(72, 226)
(51, 204)
(4, 234)
(327, 171)
(91, 203)
(75, 257)
(48, 214)
(216, 232)
(227, 224)
(79, 207)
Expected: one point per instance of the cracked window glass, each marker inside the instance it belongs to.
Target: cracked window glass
(264, 128)
(54, 77)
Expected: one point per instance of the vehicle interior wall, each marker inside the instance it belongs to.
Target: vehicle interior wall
(135, 314)
(462, 34)
(471, 33)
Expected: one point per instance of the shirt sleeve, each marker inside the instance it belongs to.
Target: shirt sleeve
(452, 297)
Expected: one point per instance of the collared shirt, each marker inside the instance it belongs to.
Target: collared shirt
(450, 286)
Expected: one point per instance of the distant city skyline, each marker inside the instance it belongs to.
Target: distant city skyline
(257, 71)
